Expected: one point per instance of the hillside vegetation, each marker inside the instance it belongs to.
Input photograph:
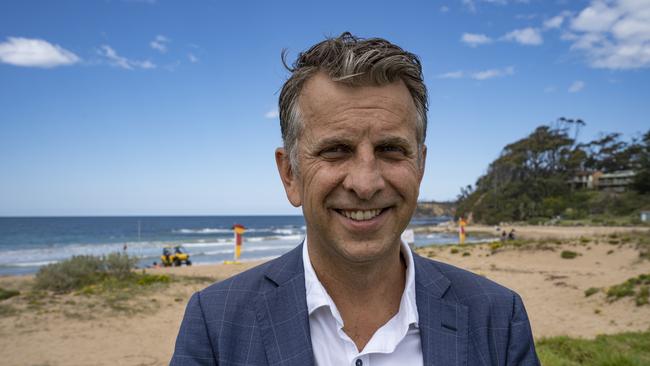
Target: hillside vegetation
(530, 180)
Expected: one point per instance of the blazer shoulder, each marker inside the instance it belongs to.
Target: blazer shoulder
(260, 278)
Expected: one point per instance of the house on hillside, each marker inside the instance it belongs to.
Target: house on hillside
(645, 216)
(618, 181)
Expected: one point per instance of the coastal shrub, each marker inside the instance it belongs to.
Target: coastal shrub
(621, 349)
(466, 254)
(68, 275)
(590, 291)
(82, 272)
(568, 254)
(6, 294)
(120, 265)
(454, 250)
(643, 296)
(628, 288)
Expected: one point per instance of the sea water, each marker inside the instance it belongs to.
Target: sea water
(27, 243)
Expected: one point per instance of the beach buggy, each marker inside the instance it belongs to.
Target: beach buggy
(175, 256)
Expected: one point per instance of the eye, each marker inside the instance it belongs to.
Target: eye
(392, 151)
(335, 152)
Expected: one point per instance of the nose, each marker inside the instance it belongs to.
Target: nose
(363, 176)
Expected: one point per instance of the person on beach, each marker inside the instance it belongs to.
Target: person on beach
(353, 117)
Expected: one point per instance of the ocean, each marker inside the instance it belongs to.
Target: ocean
(27, 243)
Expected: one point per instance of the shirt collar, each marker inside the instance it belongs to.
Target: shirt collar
(318, 297)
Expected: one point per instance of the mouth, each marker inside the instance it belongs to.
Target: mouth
(361, 215)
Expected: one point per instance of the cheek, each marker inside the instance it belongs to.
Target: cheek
(319, 180)
(403, 177)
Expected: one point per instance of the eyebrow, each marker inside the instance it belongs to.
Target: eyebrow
(394, 140)
(333, 141)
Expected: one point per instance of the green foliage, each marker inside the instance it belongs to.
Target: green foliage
(83, 272)
(642, 296)
(71, 274)
(606, 350)
(591, 290)
(642, 179)
(149, 279)
(530, 179)
(629, 288)
(119, 265)
(568, 254)
(454, 250)
(6, 294)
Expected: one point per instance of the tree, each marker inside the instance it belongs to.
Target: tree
(641, 182)
(527, 171)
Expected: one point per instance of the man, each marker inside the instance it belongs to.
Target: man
(353, 120)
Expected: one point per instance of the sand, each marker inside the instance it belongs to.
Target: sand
(81, 330)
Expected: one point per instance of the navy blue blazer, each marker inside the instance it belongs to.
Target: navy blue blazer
(259, 317)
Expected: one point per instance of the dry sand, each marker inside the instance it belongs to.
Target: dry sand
(81, 330)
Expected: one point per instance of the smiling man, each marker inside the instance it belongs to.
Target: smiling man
(353, 120)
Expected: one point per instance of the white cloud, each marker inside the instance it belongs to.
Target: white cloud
(526, 36)
(452, 75)
(159, 43)
(473, 39)
(32, 52)
(553, 23)
(273, 113)
(613, 34)
(549, 89)
(471, 4)
(577, 86)
(444, 9)
(493, 73)
(193, 59)
(122, 62)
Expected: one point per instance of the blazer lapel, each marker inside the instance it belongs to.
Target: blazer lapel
(282, 313)
(444, 323)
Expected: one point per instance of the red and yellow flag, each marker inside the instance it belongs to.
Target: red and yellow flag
(239, 239)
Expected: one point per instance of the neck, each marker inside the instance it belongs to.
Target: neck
(367, 294)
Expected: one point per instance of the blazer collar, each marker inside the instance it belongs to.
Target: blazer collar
(282, 312)
(444, 321)
(284, 319)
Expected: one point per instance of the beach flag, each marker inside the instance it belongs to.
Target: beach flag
(461, 230)
(239, 239)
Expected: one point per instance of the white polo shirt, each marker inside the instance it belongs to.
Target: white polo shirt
(395, 343)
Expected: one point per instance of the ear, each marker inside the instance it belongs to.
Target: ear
(423, 161)
(289, 179)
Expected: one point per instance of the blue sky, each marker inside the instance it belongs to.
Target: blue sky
(169, 107)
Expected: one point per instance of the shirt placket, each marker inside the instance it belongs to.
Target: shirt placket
(361, 360)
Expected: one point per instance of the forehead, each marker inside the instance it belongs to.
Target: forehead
(329, 105)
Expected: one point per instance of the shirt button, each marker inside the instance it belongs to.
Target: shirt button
(359, 362)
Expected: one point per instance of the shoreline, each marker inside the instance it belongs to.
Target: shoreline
(44, 329)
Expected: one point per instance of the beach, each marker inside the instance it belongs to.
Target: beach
(77, 329)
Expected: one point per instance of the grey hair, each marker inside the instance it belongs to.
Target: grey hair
(356, 62)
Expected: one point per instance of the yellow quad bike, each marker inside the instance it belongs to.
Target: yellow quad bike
(175, 256)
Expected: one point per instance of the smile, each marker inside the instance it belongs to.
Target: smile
(360, 215)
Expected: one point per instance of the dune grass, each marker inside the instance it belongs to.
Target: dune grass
(623, 349)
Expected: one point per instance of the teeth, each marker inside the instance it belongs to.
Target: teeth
(361, 215)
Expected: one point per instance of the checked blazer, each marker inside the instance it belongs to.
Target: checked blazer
(260, 317)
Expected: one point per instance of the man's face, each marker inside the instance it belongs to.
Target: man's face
(359, 172)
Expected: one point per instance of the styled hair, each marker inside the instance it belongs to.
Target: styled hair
(355, 62)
